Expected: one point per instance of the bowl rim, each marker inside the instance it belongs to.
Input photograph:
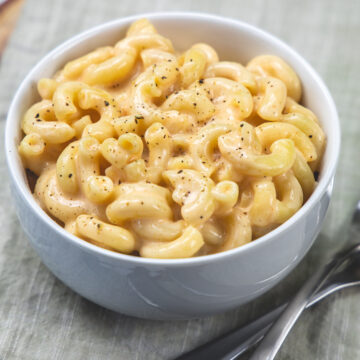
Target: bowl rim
(22, 187)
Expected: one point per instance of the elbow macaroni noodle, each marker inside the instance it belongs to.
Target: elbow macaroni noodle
(144, 151)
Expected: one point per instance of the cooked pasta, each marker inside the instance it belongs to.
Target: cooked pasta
(145, 151)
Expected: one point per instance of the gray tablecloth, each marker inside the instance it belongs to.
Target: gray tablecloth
(42, 319)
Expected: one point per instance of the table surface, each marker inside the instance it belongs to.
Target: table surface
(40, 318)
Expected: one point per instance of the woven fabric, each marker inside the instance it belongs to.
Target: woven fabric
(42, 319)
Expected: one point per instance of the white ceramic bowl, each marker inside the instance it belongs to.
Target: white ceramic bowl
(175, 289)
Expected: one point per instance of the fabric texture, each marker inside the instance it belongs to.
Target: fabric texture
(42, 319)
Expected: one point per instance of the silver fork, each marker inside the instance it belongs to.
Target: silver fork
(276, 335)
(341, 272)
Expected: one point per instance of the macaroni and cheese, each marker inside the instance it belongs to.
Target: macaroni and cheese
(145, 151)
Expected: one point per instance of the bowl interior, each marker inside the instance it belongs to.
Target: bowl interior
(232, 39)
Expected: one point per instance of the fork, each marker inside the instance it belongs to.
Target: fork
(341, 272)
(275, 337)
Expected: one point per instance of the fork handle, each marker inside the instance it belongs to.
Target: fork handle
(236, 342)
(275, 337)
(233, 344)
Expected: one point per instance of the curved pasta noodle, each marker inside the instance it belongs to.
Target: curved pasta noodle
(311, 129)
(80, 125)
(110, 236)
(271, 98)
(180, 162)
(118, 67)
(250, 162)
(290, 196)
(127, 148)
(101, 102)
(263, 207)
(75, 68)
(205, 143)
(210, 53)
(274, 201)
(40, 119)
(150, 57)
(32, 150)
(57, 203)
(212, 232)
(141, 41)
(95, 187)
(304, 175)
(270, 65)
(291, 106)
(141, 26)
(189, 101)
(232, 100)
(65, 99)
(192, 191)
(158, 229)
(239, 231)
(129, 124)
(151, 87)
(66, 172)
(159, 144)
(233, 71)
(226, 195)
(268, 133)
(151, 203)
(193, 67)
(99, 189)
(130, 166)
(71, 99)
(46, 88)
(187, 245)
(112, 70)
